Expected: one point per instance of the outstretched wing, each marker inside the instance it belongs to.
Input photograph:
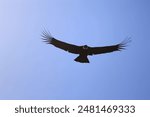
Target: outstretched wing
(108, 49)
(46, 36)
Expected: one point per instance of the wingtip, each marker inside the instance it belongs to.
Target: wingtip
(46, 36)
(124, 43)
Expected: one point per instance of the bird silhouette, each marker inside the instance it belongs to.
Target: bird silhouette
(84, 50)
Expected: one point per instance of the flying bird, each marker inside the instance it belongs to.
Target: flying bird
(84, 50)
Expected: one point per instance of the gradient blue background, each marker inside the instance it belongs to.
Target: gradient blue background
(30, 69)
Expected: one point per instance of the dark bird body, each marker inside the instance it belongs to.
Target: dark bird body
(83, 51)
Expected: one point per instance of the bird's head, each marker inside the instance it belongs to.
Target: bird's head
(85, 47)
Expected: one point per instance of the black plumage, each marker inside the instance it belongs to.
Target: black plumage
(84, 50)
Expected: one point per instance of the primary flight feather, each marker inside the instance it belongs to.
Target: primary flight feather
(84, 50)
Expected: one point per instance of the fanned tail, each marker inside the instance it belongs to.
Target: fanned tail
(82, 59)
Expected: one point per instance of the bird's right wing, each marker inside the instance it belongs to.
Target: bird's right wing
(108, 49)
(59, 44)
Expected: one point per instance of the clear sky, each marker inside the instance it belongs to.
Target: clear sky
(30, 69)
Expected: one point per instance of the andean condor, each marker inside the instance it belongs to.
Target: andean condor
(84, 50)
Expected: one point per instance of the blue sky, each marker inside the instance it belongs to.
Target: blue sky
(30, 69)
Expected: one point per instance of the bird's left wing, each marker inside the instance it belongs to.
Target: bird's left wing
(60, 44)
(108, 49)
